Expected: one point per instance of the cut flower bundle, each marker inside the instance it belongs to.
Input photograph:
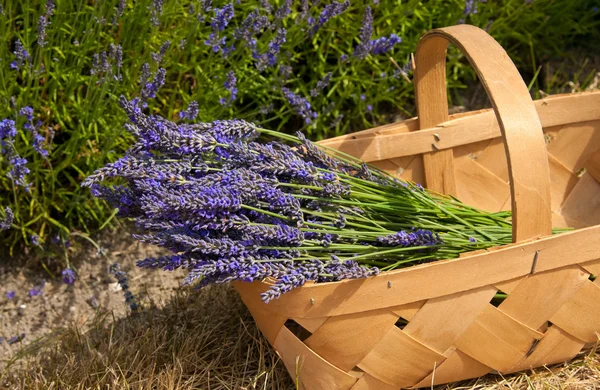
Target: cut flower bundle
(233, 201)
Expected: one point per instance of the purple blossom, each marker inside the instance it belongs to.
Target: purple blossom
(419, 237)
(8, 129)
(282, 12)
(42, 25)
(266, 5)
(158, 57)
(321, 84)
(22, 55)
(269, 58)
(68, 276)
(37, 290)
(230, 85)
(34, 239)
(222, 17)
(330, 11)
(7, 220)
(121, 277)
(16, 339)
(384, 44)
(191, 112)
(253, 24)
(157, 8)
(376, 46)
(10, 295)
(369, 108)
(300, 104)
(18, 169)
(121, 8)
(151, 88)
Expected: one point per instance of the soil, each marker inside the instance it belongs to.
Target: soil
(95, 290)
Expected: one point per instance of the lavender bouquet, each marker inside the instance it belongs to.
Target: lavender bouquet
(233, 201)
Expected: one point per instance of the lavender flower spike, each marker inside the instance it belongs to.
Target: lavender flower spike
(300, 104)
(68, 276)
(330, 11)
(8, 219)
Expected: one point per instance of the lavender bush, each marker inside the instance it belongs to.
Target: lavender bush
(283, 64)
(234, 201)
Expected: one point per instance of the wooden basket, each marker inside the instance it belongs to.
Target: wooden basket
(540, 158)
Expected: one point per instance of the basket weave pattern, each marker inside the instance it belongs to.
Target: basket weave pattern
(434, 323)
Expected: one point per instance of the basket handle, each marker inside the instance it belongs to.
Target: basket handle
(516, 114)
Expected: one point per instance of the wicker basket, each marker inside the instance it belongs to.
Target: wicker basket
(540, 158)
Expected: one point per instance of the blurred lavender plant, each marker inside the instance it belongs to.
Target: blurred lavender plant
(121, 277)
(330, 11)
(230, 85)
(68, 276)
(21, 54)
(375, 46)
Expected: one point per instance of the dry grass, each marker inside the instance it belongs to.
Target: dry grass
(205, 340)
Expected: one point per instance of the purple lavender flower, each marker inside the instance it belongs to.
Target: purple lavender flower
(269, 58)
(37, 290)
(10, 295)
(252, 25)
(8, 129)
(222, 17)
(121, 8)
(366, 30)
(300, 104)
(157, 8)
(18, 169)
(68, 276)
(285, 71)
(151, 88)
(266, 5)
(230, 85)
(22, 55)
(191, 112)
(384, 44)
(420, 237)
(330, 11)
(376, 46)
(344, 57)
(16, 339)
(39, 142)
(369, 108)
(121, 277)
(42, 25)
(7, 220)
(158, 57)
(282, 12)
(34, 239)
(321, 84)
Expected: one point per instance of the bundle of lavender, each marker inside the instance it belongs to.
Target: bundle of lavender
(233, 201)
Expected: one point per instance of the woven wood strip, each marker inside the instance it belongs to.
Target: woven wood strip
(313, 371)
(580, 316)
(400, 360)
(573, 145)
(537, 297)
(458, 366)
(441, 321)
(497, 340)
(336, 339)
(367, 382)
(311, 324)
(409, 310)
(556, 346)
(592, 166)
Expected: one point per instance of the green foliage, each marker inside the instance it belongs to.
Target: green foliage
(83, 111)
